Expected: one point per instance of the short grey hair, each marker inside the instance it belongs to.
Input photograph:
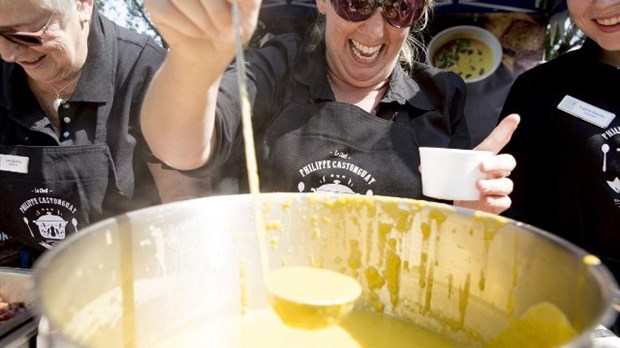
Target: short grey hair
(64, 8)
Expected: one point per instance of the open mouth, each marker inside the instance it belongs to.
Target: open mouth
(31, 62)
(363, 52)
(608, 22)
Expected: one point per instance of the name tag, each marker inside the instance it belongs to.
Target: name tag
(586, 112)
(12, 163)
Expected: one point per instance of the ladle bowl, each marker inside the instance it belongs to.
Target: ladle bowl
(146, 277)
(311, 297)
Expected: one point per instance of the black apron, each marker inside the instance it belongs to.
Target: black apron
(50, 192)
(339, 147)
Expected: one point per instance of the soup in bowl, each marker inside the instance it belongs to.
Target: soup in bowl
(471, 52)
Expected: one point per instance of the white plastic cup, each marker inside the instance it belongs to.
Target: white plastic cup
(451, 174)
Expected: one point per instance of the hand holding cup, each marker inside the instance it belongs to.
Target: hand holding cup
(493, 186)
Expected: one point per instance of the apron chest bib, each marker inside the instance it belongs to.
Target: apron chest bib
(56, 191)
(338, 147)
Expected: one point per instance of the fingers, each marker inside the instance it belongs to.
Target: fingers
(172, 21)
(196, 15)
(495, 187)
(176, 25)
(498, 166)
(500, 136)
(202, 19)
(495, 204)
(248, 13)
(494, 196)
(197, 18)
(495, 190)
(488, 203)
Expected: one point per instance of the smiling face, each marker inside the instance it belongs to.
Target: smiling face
(63, 49)
(599, 20)
(363, 53)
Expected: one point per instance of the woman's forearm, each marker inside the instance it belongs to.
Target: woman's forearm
(179, 110)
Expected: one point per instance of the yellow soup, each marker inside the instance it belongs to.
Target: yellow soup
(542, 325)
(470, 58)
(309, 297)
(263, 328)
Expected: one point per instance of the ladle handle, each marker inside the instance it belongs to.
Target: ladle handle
(248, 138)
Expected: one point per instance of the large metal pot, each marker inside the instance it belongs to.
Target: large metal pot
(145, 276)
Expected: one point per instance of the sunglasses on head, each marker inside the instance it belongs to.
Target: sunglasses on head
(28, 39)
(398, 13)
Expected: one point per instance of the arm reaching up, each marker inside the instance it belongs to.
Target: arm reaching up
(178, 113)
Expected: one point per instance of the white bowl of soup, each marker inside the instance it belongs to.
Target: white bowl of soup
(471, 52)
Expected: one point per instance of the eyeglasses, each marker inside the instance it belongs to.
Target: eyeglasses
(398, 13)
(28, 39)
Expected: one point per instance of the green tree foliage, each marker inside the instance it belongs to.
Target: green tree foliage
(137, 17)
(562, 36)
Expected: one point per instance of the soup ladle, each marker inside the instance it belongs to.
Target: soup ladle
(309, 297)
(304, 297)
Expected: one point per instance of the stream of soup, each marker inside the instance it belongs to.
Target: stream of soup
(331, 295)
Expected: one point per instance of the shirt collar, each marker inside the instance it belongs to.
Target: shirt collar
(98, 73)
(311, 71)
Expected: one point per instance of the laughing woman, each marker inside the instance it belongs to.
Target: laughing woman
(344, 109)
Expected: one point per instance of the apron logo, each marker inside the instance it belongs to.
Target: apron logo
(332, 178)
(51, 226)
(336, 185)
(610, 152)
(51, 217)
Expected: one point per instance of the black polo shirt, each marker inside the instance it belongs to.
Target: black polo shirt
(306, 141)
(567, 179)
(118, 68)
